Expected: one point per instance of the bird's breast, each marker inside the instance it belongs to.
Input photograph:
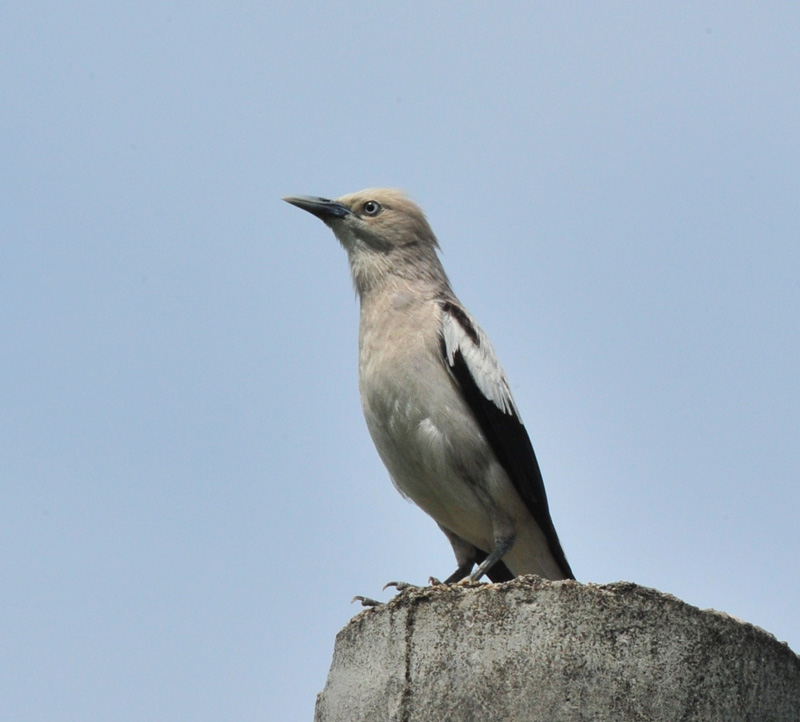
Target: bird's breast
(419, 423)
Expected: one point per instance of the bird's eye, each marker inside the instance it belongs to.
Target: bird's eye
(371, 208)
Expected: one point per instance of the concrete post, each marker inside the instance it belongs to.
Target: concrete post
(555, 652)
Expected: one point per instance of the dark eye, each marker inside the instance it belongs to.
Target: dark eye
(371, 208)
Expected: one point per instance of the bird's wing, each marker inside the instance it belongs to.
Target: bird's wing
(473, 364)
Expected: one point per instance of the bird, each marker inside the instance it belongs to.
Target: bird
(435, 399)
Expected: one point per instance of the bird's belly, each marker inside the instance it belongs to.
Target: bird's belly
(423, 449)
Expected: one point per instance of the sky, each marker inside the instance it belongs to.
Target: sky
(190, 498)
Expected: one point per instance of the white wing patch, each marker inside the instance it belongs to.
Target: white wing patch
(480, 359)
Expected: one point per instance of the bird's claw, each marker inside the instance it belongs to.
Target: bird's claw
(366, 601)
(400, 586)
(403, 586)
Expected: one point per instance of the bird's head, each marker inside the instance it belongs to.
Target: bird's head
(385, 234)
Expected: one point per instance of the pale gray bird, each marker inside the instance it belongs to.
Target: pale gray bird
(436, 401)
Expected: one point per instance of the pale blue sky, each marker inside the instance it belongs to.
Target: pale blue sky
(190, 496)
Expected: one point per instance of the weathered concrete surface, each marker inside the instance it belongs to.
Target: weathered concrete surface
(555, 651)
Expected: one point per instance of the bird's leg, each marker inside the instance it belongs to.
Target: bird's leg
(503, 545)
(459, 574)
(466, 556)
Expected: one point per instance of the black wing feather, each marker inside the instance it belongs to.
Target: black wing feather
(510, 443)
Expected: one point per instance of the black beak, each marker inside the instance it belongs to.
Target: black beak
(323, 208)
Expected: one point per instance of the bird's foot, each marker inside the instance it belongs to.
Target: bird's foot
(404, 586)
(401, 586)
(366, 601)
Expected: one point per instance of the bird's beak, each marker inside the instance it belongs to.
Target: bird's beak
(323, 208)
